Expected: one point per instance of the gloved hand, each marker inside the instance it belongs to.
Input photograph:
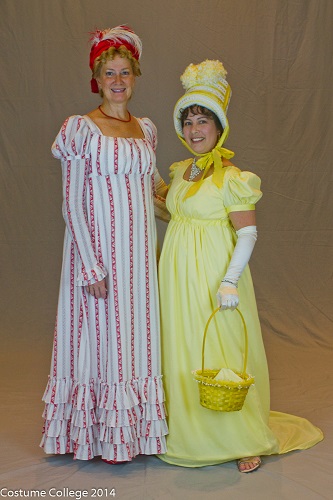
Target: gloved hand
(227, 296)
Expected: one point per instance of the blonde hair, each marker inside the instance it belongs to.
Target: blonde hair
(110, 54)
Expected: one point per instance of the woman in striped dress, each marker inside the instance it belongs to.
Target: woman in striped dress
(105, 395)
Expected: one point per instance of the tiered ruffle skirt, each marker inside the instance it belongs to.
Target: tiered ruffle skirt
(114, 421)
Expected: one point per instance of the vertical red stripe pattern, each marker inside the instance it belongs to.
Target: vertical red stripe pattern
(115, 280)
(104, 396)
(131, 249)
(147, 289)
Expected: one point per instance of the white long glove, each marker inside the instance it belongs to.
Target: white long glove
(227, 295)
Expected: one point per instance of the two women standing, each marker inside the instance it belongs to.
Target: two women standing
(105, 395)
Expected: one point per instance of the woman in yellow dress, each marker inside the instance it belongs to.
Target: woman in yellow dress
(204, 258)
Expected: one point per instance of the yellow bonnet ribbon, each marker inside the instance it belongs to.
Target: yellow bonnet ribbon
(213, 157)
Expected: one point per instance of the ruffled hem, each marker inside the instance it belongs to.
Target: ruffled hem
(116, 421)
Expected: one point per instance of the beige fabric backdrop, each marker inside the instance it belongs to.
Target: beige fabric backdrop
(279, 57)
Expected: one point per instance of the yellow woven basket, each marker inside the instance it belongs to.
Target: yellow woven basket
(223, 395)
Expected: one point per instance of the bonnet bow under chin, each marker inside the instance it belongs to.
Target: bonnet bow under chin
(206, 86)
(206, 160)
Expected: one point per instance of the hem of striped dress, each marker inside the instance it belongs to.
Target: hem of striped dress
(115, 421)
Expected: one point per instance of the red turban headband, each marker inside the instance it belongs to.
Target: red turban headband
(114, 37)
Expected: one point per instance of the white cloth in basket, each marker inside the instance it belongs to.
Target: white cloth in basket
(227, 374)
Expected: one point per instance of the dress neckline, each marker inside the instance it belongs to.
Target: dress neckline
(188, 162)
(92, 125)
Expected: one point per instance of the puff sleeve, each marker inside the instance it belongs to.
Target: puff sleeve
(72, 147)
(241, 190)
(172, 172)
(151, 132)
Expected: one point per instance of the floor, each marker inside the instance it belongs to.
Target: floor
(301, 383)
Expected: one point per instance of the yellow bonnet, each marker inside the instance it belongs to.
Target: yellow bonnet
(205, 85)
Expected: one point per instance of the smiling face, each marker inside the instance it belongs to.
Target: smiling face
(116, 79)
(200, 132)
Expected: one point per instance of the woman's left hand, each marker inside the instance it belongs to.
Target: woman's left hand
(227, 297)
(98, 289)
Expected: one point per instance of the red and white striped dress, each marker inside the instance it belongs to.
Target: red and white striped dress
(105, 395)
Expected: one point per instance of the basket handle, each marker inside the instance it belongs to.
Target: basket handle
(245, 339)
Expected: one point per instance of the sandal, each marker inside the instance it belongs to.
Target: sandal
(249, 460)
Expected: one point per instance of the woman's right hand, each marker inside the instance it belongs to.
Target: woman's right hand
(98, 289)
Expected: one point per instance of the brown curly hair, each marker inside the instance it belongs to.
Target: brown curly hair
(196, 109)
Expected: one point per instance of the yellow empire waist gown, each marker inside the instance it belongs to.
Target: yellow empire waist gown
(196, 252)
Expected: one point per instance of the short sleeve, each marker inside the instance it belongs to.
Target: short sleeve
(151, 132)
(177, 168)
(73, 139)
(172, 171)
(241, 190)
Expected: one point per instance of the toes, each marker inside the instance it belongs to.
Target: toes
(248, 464)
